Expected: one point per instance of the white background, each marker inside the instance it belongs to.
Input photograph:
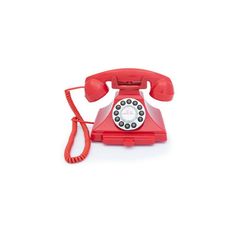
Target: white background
(186, 186)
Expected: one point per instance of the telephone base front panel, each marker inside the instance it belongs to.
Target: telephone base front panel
(152, 130)
(128, 140)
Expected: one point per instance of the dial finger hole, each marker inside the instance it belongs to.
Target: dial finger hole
(129, 101)
(140, 119)
(117, 119)
(121, 123)
(116, 113)
(139, 107)
(141, 113)
(127, 126)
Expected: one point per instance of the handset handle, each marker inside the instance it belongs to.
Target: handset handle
(129, 79)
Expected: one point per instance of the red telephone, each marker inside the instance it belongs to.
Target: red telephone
(128, 120)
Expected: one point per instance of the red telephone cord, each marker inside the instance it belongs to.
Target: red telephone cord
(75, 120)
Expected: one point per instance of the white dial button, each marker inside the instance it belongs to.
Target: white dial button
(128, 114)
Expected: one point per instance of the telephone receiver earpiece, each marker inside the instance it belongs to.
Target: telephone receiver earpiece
(162, 89)
(95, 89)
(127, 80)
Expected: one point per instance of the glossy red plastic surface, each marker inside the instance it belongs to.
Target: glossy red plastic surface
(129, 80)
(152, 130)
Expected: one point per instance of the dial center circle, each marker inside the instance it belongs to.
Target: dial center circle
(128, 113)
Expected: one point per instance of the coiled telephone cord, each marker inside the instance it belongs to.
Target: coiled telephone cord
(75, 120)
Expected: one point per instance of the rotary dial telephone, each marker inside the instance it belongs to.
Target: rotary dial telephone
(129, 120)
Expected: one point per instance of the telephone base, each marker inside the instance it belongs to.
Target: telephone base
(152, 131)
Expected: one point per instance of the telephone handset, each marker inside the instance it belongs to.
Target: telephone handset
(129, 120)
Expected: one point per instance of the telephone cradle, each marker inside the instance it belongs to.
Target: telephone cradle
(129, 120)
